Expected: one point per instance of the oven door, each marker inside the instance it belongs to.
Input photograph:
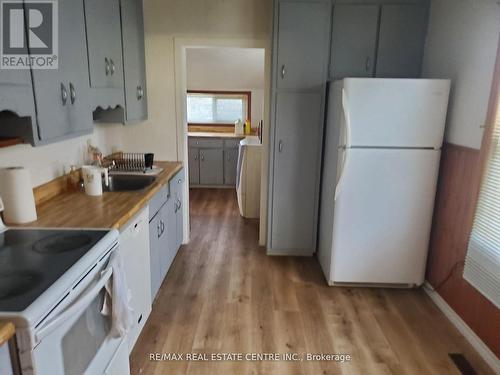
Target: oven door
(77, 340)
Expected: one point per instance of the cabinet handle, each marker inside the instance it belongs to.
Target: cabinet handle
(367, 64)
(106, 61)
(112, 63)
(202, 158)
(283, 71)
(162, 226)
(64, 94)
(72, 93)
(179, 180)
(280, 146)
(158, 234)
(140, 92)
(196, 157)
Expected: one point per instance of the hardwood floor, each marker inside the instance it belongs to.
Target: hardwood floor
(224, 295)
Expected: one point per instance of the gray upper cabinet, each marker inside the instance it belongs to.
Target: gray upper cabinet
(62, 95)
(17, 106)
(211, 166)
(230, 165)
(302, 44)
(133, 60)
(401, 40)
(104, 39)
(16, 92)
(354, 40)
(296, 173)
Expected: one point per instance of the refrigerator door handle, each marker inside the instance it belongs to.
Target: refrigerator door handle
(340, 182)
(347, 119)
(347, 144)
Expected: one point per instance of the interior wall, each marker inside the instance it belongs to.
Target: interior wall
(50, 161)
(461, 45)
(453, 216)
(166, 20)
(229, 69)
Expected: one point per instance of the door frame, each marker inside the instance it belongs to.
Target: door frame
(181, 44)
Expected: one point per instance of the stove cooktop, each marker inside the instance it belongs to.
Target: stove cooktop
(31, 260)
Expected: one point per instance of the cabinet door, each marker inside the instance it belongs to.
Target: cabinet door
(401, 40)
(230, 166)
(354, 39)
(194, 166)
(211, 166)
(61, 95)
(16, 92)
(179, 193)
(154, 251)
(303, 30)
(163, 242)
(134, 64)
(170, 211)
(296, 172)
(102, 18)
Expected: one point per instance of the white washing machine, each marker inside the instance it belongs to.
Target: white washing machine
(248, 177)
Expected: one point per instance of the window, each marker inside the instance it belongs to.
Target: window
(217, 107)
(482, 262)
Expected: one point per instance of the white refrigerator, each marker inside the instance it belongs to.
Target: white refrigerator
(382, 149)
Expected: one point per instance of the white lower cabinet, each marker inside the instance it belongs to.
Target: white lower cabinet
(134, 248)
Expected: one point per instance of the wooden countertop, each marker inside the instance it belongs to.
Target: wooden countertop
(7, 331)
(110, 210)
(215, 135)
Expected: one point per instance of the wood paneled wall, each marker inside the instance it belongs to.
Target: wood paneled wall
(453, 216)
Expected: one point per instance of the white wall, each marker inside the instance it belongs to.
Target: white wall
(166, 20)
(48, 162)
(461, 45)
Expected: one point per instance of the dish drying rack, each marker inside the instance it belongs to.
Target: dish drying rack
(129, 162)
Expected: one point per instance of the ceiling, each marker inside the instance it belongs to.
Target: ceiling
(225, 68)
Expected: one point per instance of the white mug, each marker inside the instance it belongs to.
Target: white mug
(92, 179)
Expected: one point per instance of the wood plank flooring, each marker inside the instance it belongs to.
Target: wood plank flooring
(224, 295)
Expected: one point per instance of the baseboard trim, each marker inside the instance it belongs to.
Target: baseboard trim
(486, 354)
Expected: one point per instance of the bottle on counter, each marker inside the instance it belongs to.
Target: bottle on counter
(238, 127)
(248, 127)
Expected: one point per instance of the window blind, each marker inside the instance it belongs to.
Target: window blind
(482, 262)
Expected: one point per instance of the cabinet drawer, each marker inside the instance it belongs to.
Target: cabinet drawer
(232, 143)
(205, 142)
(158, 200)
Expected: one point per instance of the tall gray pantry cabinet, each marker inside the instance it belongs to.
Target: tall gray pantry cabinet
(299, 75)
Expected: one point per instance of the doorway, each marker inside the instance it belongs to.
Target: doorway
(219, 84)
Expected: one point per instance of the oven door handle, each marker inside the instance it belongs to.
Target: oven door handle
(81, 303)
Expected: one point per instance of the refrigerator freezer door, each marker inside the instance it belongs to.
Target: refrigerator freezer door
(383, 215)
(396, 112)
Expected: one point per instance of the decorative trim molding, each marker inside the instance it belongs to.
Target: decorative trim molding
(488, 356)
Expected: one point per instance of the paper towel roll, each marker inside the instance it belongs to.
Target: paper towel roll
(17, 195)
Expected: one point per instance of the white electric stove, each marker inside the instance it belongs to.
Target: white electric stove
(52, 286)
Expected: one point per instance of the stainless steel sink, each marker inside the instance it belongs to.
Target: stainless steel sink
(129, 182)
